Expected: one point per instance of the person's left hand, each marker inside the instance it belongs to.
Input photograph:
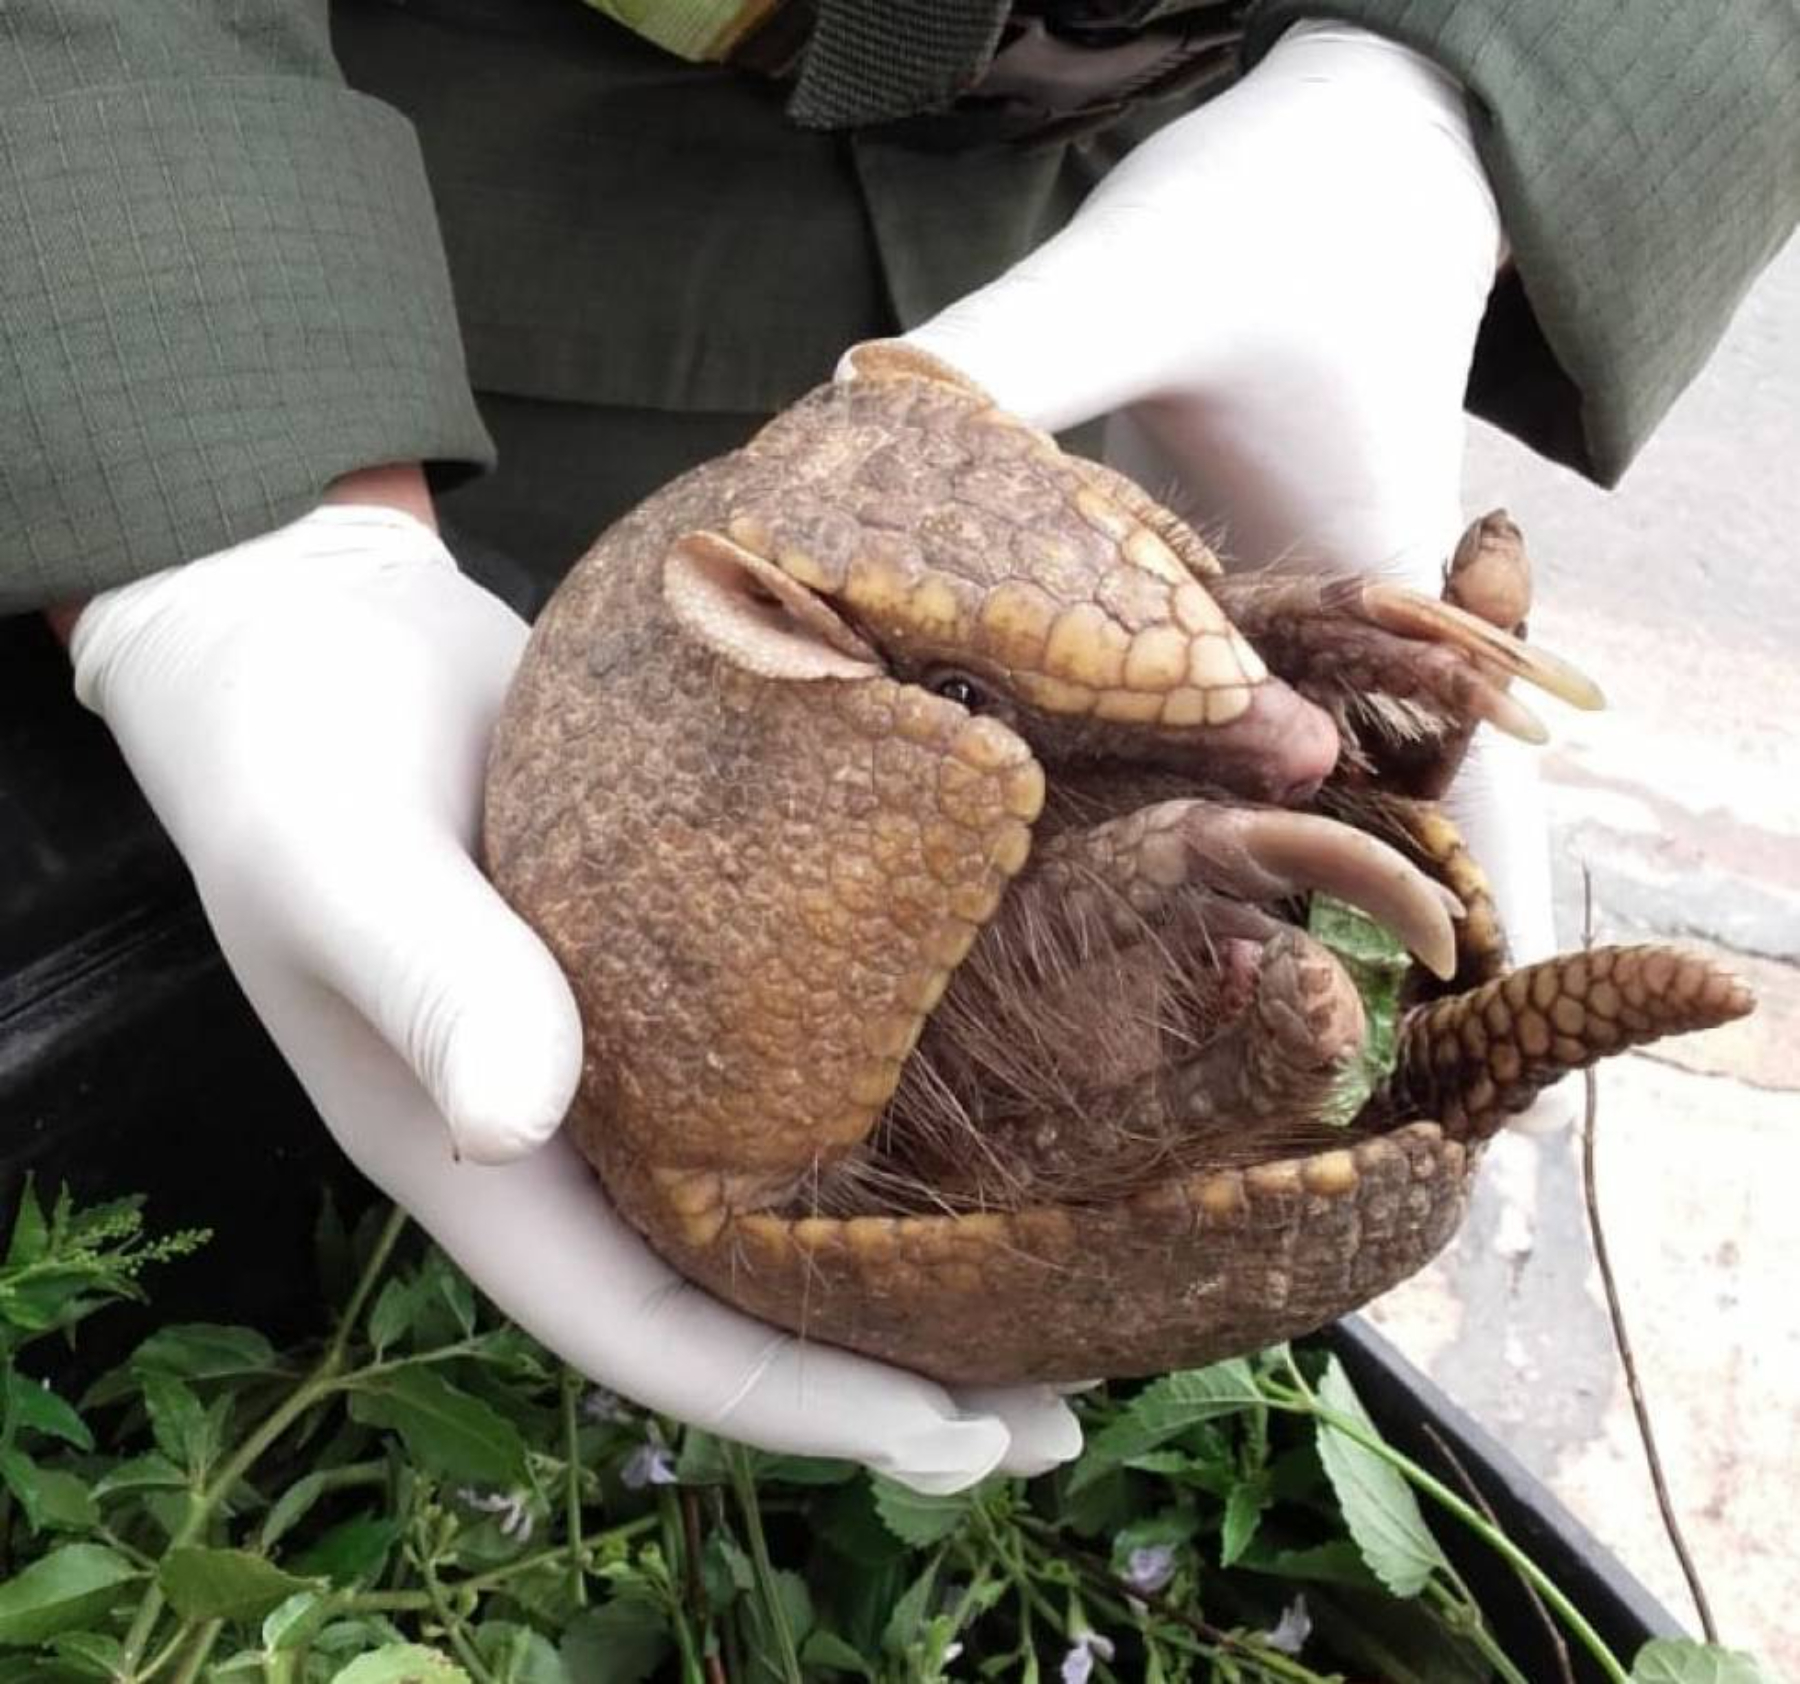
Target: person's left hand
(1276, 298)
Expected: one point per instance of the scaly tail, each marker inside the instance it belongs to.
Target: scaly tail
(1473, 1059)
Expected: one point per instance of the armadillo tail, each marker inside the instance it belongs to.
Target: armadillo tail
(1473, 1059)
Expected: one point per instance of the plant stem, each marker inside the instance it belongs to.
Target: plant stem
(1571, 1616)
(316, 1385)
(1465, 1612)
(738, 1460)
(451, 1622)
(391, 1229)
(571, 1389)
(189, 1669)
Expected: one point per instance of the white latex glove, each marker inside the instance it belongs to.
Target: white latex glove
(309, 715)
(1276, 297)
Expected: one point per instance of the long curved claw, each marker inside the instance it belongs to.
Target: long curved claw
(1473, 1059)
(1409, 613)
(1269, 854)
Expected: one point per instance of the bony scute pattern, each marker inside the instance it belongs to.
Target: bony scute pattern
(922, 820)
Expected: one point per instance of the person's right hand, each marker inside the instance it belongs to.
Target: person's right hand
(309, 715)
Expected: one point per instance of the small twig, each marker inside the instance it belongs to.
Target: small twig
(1616, 1312)
(1451, 1460)
(696, 1585)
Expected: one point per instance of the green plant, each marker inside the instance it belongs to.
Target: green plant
(427, 1495)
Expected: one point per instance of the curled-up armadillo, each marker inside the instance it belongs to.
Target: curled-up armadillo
(926, 825)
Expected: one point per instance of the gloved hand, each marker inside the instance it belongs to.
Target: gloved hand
(1276, 297)
(309, 715)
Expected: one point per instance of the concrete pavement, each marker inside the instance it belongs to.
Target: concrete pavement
(1679, 594)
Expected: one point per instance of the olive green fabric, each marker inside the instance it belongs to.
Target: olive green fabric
(644, 232)
(1647, 163)
(222, 286)
(224, 282)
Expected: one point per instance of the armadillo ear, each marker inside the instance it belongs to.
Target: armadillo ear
(894, 359)
(750, 612)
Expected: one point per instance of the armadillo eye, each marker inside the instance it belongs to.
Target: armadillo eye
(960, 688)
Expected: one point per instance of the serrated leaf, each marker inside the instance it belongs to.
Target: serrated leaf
(830, 1653)
(916, 1518)
(214, 1584)
(402, 1663)
(906, 1623)
(205, 1351)
(1379, 1507)
(69, 1587)
(31, 1403)
(620, 1642)
(1678, 1660)
(1243, 1513)
(446, 1430)
(1164, 1408)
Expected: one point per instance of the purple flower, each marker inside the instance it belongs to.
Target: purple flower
(1150, 1567)
(649, 1464)
(600, 1405)
(510, 1507)
(1078, 1663)
(1291, 1631)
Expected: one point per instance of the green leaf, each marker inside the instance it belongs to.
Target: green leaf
(30, 1241)
(1377, 963)
(1677, 1660)
(402, 1663)
(351, 1550)
(915, 1518)
(290, 1508)
(91, 1653)
(392, 1316)
(69, 1587)
(209, 1584)
(620, 1642)
(830, 1653)
(292, 1622)
(1336, 1563)
(1379, 1507)
(701, 1459)
(1243, 1513)
(515, 1654)
(178, 1421)
(1164, 1408)
(206, 1351)
(31, 1403)
(725, 1571)
(906, 1624)
(142, 1473)
(446, 1430)
(49, 1496)
(802, 1470)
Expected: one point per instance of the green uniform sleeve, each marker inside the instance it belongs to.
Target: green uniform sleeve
(1646, 158)
(223, 287)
